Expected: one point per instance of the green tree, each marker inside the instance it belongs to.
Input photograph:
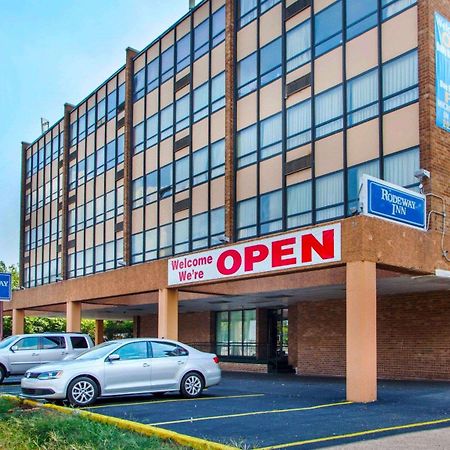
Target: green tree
(13, 270)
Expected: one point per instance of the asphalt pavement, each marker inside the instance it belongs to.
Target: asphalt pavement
(261, 411)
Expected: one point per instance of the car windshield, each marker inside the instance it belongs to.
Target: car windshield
(7, 341)
(99, 351)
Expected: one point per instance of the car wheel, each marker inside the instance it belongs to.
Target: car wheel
(2, 374)
(82, 392)
(191, 385)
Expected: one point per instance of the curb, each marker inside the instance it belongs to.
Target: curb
(147, 430)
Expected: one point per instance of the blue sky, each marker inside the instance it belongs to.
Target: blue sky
(53, 52)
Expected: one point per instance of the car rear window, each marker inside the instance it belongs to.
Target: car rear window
(165, 349)
(53, 342)
(79, 342)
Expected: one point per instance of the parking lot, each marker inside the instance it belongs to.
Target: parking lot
(259, 411)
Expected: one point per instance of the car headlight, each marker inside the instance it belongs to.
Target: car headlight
(50, 375)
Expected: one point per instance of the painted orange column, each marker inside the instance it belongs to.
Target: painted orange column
(361, 331)
(168, 314)
(99, 331)
(18, 321)
(73, 316)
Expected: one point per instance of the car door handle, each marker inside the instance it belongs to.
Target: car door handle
(180, 363)
(35, 354)
(145, 365)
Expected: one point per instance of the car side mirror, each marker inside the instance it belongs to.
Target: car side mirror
(113, 357)
(14, 348)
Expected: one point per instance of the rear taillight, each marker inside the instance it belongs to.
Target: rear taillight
(216, 359)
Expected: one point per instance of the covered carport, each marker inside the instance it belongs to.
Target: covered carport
(406, 263)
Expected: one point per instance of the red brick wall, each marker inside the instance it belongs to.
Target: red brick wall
(413, 337)
(196, 327)
(434, 142)
(192, 327)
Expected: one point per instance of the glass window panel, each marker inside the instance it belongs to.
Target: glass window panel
(270, 211)
(299, 204)
(362, 97)
(270, 136)
(165, 181)
(166, 117)
(182, 174)
(328, 28)
(246, 75)
(400, 79)
(399, 168)
(248, 10)
(182, 112)
(137, 192)
(222, 335)
(151, 244)
(270, 61)
(218, 26)
(298, 46)
(218, 92)
(152, 130)
(151, 187)
(139, 85)
(354, 175)
(167, 62)
(137, 244)
(218, 158)
(200, 165)
(182, 236)
(330, 196)
(392, 7)
(138, 138)
(299, 124)
(236, 333)
(165, 240)
(152, 74)
(183, 52)
(246, 145)
(201, 102)
(329, 109)
(217, 221)
(360, 16)
(201, 39)
(246, 218)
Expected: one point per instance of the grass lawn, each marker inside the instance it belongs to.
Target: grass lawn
(25, 428)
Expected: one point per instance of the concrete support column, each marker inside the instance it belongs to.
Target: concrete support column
(18, 321)
(73, 316)
(128, 139)
(230, 116)
(68, 108)
(136, 326)
(168, 313)
(99, 331)
(361, 331)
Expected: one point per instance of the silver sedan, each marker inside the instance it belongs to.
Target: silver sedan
(128, 366)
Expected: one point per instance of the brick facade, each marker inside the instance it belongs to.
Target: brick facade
(434, 142)
(413, 337)
(193, 327)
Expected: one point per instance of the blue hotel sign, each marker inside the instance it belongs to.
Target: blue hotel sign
(394, 203)
(442, 44)
(5, 287)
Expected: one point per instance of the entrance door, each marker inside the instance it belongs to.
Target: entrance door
(277, 327)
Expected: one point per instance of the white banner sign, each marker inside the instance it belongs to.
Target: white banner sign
(301, 248)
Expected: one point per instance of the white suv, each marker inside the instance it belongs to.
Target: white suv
(22, 352)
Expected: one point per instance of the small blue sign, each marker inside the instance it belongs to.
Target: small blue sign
(5, 287)
(394, 203)
(442, 44)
